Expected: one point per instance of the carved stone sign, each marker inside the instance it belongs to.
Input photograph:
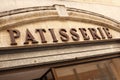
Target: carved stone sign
(42, 26)
(97, 34)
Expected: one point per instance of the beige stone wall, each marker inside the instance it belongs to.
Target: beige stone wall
(105, 2)
(106, 10)
(39, 57)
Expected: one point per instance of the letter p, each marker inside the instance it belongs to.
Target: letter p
(13, 35)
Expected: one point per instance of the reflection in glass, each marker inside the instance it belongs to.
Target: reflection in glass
(99, 71)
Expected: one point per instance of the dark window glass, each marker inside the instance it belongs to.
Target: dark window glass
(90, 71)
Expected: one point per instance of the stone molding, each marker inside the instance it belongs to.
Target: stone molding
(42, 13)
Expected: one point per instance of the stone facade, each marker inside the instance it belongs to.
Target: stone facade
(21, 14)
(71, 30)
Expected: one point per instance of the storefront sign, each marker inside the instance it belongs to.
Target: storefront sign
(63, 35)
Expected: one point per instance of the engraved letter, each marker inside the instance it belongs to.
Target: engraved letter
(41, 33)
(94, 33)
(64, 36)
(53, 35)
(14, 34)
(84, 33)
(74, 33)
(29, 37)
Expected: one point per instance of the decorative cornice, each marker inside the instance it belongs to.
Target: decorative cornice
(24, 10)
(41, 13)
